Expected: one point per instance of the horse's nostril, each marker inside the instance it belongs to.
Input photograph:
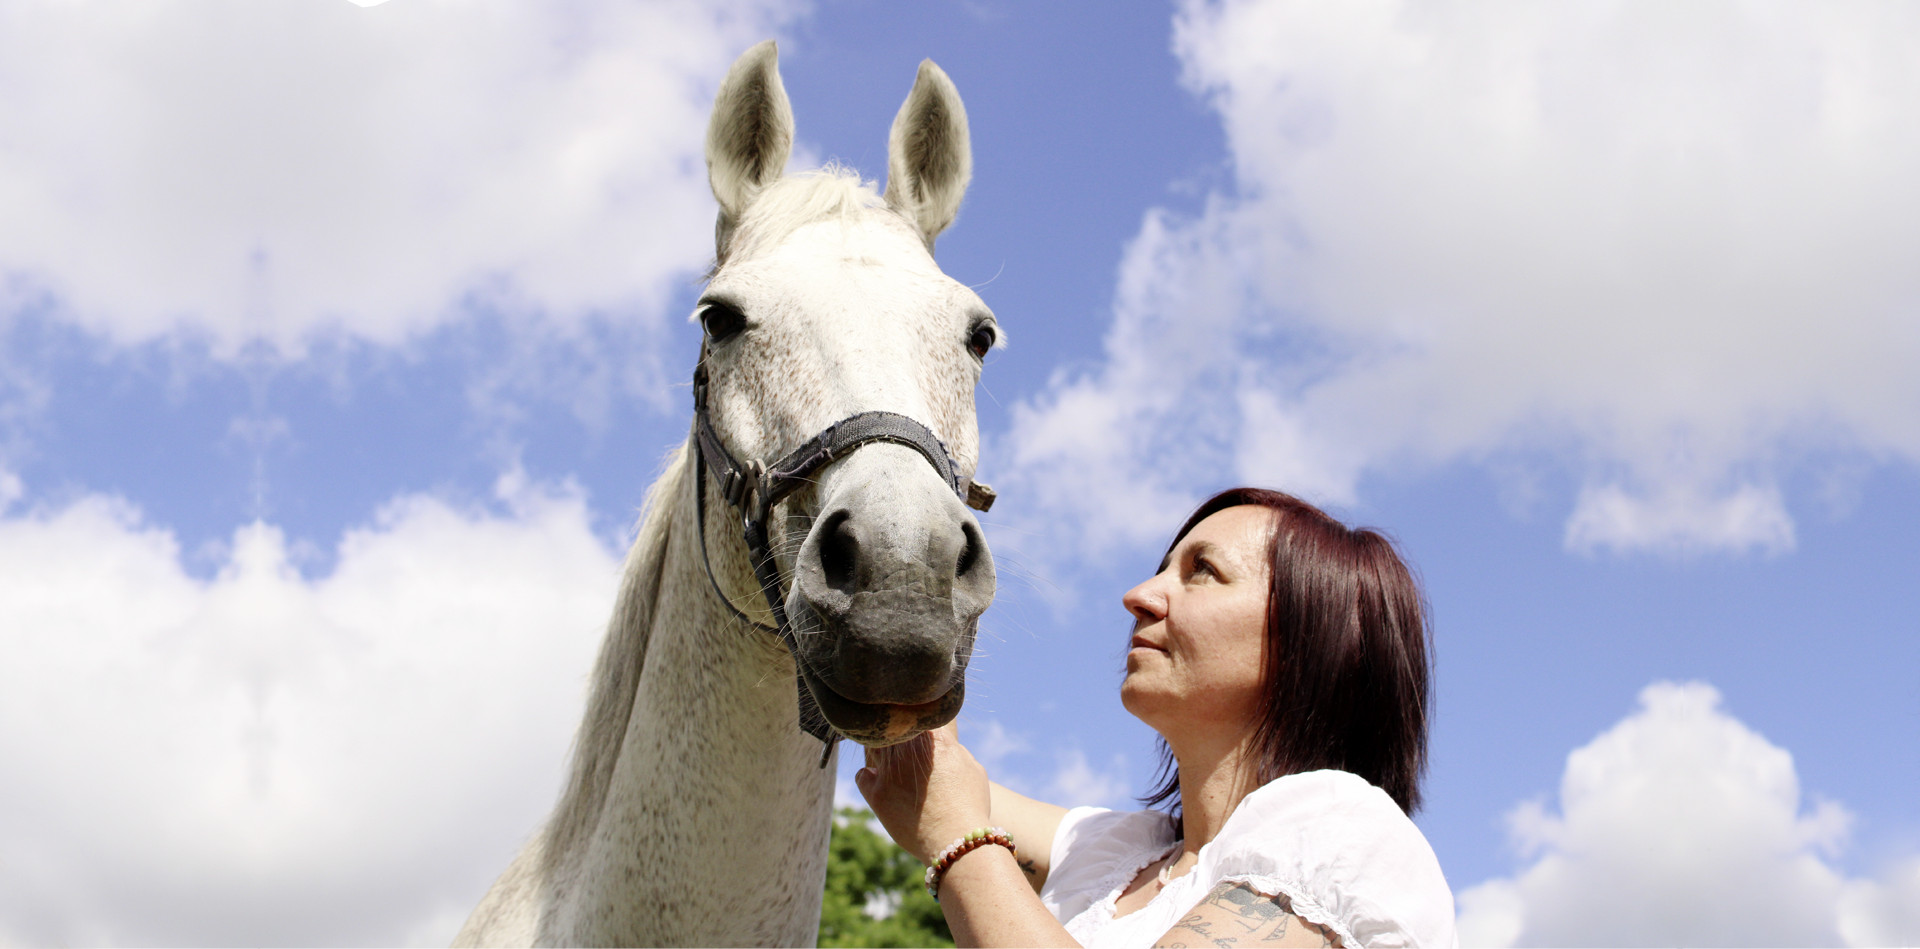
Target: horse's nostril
(969, 552)
(839, 552)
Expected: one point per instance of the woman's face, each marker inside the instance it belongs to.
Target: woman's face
(1195, 659)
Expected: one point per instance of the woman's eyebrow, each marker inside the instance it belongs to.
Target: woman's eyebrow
(1203, 548)
(1194, 549)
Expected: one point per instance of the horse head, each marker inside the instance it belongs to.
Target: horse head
(825, 303)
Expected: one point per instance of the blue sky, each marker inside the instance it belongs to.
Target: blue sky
(338, 346)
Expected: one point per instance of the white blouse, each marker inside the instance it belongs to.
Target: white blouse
(1338, 848)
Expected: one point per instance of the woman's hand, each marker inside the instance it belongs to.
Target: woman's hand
(928, 792)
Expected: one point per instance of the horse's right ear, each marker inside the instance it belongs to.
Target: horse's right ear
(749, 136)
(929, 160)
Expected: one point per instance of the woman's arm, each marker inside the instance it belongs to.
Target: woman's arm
(1032, 824)
(987, 903)
(929, 792)
(1236, 914)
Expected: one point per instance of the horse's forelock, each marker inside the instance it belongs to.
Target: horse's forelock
(795, 201)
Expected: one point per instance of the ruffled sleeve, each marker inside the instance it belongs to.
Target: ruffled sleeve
(1343, 853)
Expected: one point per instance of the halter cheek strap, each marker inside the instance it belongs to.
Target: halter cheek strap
(753, 489)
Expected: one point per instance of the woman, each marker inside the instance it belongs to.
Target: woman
(1283, 660)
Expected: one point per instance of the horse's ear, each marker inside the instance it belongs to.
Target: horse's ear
(928, 159)
(749, 136)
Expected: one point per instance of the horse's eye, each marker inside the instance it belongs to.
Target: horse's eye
(981, 340)
(721, 319)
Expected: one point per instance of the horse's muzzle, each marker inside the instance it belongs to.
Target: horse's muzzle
(879, 725)
(888, 590)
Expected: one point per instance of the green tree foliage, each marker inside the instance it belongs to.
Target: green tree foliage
(865, 868)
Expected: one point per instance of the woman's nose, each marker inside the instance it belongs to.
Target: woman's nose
(1147, 602)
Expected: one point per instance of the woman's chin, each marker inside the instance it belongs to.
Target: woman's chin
(1141, 699)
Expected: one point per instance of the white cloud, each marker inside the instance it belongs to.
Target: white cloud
(243, 171)
(266, 758)
(1110, 456)
(1680, 519)
(1884, 912)
(1681, 826)
(1076, 783)
(1069, 780)
(1663, 250)
(992, 743)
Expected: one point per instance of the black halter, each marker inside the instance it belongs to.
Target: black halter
(754, 488)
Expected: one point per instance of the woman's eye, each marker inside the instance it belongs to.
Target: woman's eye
(981, 341)
(721, 319)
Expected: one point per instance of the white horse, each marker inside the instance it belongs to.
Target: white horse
(697, 810)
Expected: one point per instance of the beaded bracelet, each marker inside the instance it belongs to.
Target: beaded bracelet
(974, 839)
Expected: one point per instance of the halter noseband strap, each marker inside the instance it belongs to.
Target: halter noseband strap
(753, 489)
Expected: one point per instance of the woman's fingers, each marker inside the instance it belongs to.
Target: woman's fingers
(925, 791)
(901, 774)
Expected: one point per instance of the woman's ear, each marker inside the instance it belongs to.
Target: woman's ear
(929, 160)
(749, 136)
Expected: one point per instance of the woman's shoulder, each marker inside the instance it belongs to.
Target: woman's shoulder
(1092, 826)
(1297, 798)
(1341, 850)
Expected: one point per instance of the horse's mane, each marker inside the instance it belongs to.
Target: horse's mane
(792, 202)
(616, 674)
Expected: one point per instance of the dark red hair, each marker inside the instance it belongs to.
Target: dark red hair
(1345, 653)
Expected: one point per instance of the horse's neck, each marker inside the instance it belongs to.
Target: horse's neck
(697, 810)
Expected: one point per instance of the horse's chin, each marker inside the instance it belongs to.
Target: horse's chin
(877, 725)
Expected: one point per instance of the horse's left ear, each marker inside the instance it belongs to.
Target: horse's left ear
(929, 161)
(748, 137)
